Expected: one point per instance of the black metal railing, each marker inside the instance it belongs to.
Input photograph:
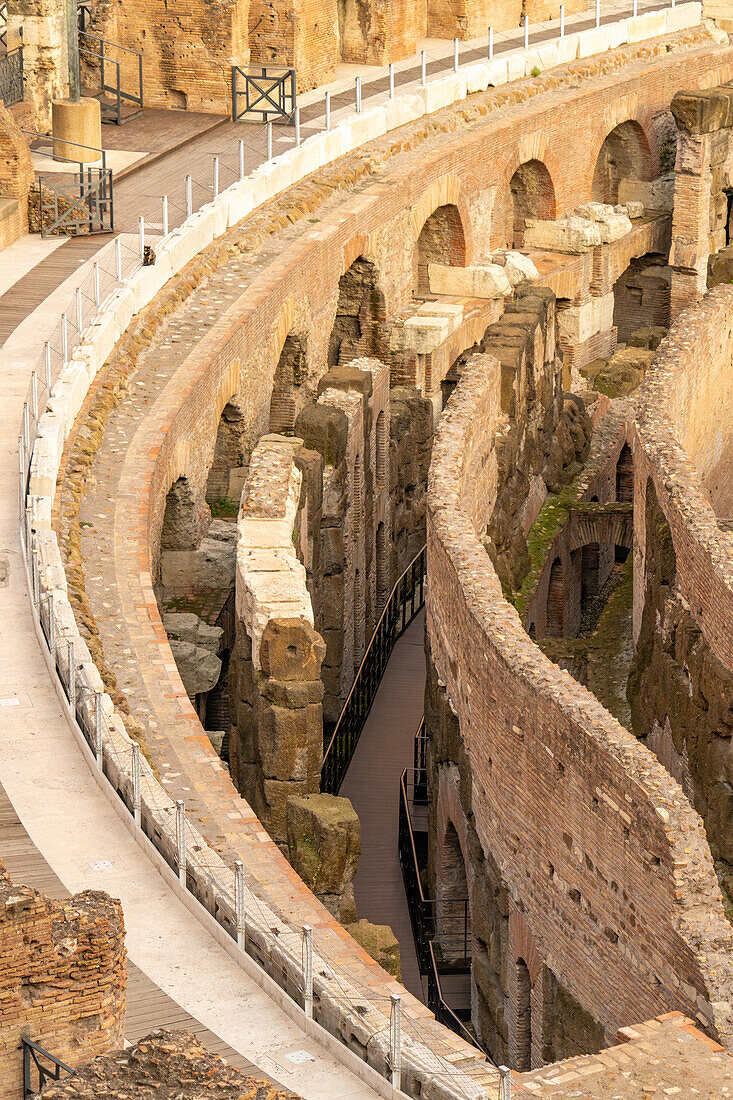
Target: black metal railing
(3, 24)
(268, 93)
(40, 1067)
(405, 602)
(11, 77)
(83, 14)
(120, 71)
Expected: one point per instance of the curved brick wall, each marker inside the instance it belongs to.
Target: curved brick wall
(238, 353)
(684, 434)
(616, 884)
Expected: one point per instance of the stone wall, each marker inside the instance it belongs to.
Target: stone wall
(16, 180)
(41, 26)
(682, 677)
(615, 890)
(703, 190)
(62, 977)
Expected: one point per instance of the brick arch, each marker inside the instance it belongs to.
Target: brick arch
(523, 946)
(363, 331)
(544, 164)
(445, 191)
(625, 152)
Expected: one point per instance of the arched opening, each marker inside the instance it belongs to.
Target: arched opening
(589, 585)
(625, 154)
(354, 24)
(441, 241)
(530, 195)
(556, 601)
(358, 329)
(641, 295)
(523, 1023)
(290, 373)
(453, 939)
(220, 494)
(625, 476)
(382, 567)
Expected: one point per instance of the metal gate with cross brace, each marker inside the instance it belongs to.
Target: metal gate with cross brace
(268, 93)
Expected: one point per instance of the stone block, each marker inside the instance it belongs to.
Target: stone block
(380, 943)
(651, 24)
(324, 841)
(650, 336)
(532, 60)
(291, 649)
(579, 323)
(515, 66)
(519, 268)
(476, 281)
(241, 201)
(421, 334)
(593, 41)
(147, 281)
(618, 33)
(477, 77)
(655, 194)
(567, 49)
(359, 129)
(568, 235)
(548, 55)
(403, 109)
(187, 627)
(442, 92)
(683, 16)
(497, 72)
(198, 668)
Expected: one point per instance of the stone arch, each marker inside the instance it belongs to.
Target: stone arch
(624, 154)
(556, 600)
(625, 475)
(290, 373)
(382, 566)
(530, 194)
(228, 455)
(453, 925)
(382, 449)
(522, 1017)
(359, 328)
(442, 240)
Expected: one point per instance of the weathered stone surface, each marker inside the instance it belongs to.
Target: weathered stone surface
(379, 941)
(324, 842)
(199, 668)
(623, 372)
(184, 626)
(291, 649)
(720, 267)
(170, 1065)
(650, 336)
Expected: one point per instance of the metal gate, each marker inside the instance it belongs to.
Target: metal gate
(11, 77)
(40, 1067)
(85, 206)
(268, 94)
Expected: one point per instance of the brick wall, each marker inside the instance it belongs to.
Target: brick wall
(16, 180)
(62, 977)
(616, 885)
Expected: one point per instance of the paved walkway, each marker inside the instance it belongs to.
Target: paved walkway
(372, 783)
(79, 834)
(179, 143)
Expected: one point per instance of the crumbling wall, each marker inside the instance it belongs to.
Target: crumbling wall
(623, 834)
(16, 180)
(40, 26)
(62, 977)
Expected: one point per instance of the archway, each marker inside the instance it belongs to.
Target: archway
(290, 373)
(359, 326)
(227, 457)
(181, 519)
(441, 241)
(531, 194)
(625, 154)
(453, 924)
(625, 476)
(556, 601)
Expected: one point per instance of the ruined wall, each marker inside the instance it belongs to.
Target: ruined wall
(187, 56)
(681, 681)
(41, 27)
(703, 189)
(16, 180)
(615, 891)
(299, 34)
(62, 977)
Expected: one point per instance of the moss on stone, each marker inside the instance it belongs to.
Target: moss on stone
(552, 517)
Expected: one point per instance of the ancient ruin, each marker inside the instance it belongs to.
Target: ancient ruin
(369, 601)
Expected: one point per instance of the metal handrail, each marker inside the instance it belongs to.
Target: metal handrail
(104, 58)
(31, 1054)
(49, 138)
(108, 42)
(344, 740)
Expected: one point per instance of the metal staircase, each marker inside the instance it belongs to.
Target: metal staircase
(117, 72)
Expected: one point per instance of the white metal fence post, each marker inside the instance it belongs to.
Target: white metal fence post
(455, 55)
(96, 285)
(358, 95)
(423, 68)
(636, 8)
(562, 20)
(34, 578)
(164, 205)
(491, 43)
(241, 159)
(598, 13)
(297, 126)
(79, 311)
(47, 355)
(26, 429)
(526, 33)
(136, 796)
(71, 661)
(240, 911)
(34, 396)
(391, 80)
(118, 259)
(308, 971)
(395, 1040)
(141, 229)
(64, 339)
(51, 628)
(189, 197)
(181, 840)
(269, 141)
(216, 177)
(328, 110)
(506, 1083)
(98, 727)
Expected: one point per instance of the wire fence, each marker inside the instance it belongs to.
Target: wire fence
(315, 978)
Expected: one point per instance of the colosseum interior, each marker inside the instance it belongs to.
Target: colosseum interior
(366, 572)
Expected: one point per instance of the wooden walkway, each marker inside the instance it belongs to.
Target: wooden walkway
(372, 783)
(148, 1007)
